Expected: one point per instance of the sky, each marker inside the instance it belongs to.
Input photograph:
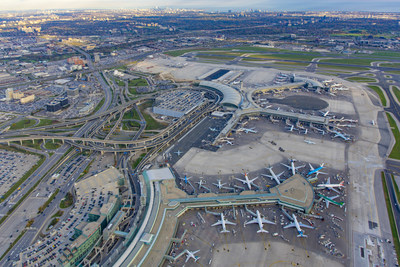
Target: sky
(234, 5)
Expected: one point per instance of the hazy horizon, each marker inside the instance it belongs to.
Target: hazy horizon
(234, 5)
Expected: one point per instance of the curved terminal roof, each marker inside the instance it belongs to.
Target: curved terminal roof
(231, 97)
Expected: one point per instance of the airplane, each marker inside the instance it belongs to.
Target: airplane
(200, 183)
(324, 114)
(309, 142)
(291, 128)
(229, 142)
(186, 179)
(298, 226)
(305, 131)
(178, 153)
(273, 175)
(268, 106)
(212, 129)
(330, 186)
(260, 222)
(292, 167)
(248, 130)
(223, 222)
(219, 184)
(316, 170)
(247, 180)
(190, 254)
(373, 122)
(331, 200)
(338, 134)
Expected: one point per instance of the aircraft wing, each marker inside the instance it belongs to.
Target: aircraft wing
(187, 258)
(266, 221)
(231, 223)
(252, 180)
(266, 175)
(287, 166)
(217, 223)
(334, 189)
(306, 226)
(243, 181)
(194, 252)
(298, 167)
(252, 221)
(278, 175)
(311, 167)
(333, 197)
(329, 180)
(326, 203)
(290, 225)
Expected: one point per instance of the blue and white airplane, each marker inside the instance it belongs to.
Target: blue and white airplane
(186, 179)
(248, 130)
(298, 226)
(316, 170)
(178, 153)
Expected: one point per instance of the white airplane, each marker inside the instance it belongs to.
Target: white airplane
(339, 134)
(309, 142)
(223, 222)
(212, 129)
(330, 186)
(190, 255)
(292, 167)
(324, 114)
(373, 122)
(260, 220)
(178, 152)
(247, 180)
(248, 130)
(229, 142)
(298, 226)
(219, 184)
(186, 179)
(200, 183)
(291, 128)
(273, 175)
(305, 131)
(315, 170)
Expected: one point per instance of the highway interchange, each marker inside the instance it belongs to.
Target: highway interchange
(110, 108)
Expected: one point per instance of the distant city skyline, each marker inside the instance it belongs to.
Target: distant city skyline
(234, 5)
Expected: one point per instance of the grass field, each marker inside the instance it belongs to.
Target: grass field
(301, 57)
(31, 144)
(349, 61)
(380, 93)
(138, 82)
(44, 122)
(396, 92)
(132, 114)
(22, 124)
(53, 145)
(340, 68)
(390, 65)
(177, 53)
(137, 161)
(67, 201)
(130, 126)
(362, 79)
(395, 153)
(151, 123)
(393, 227)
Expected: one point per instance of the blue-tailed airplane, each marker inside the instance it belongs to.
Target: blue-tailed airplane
(316, 170)
(190, 254)
(186, 179)
(298, 226)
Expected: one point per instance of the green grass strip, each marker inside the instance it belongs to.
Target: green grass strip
(395, 234)
(395, 153)
(381, 95)
(22, 124)
(396, 92)
(50, 199)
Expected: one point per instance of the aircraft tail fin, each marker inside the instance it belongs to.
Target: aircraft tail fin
(301, 235)
(225, 231)
(262, 231)
(341, 183)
